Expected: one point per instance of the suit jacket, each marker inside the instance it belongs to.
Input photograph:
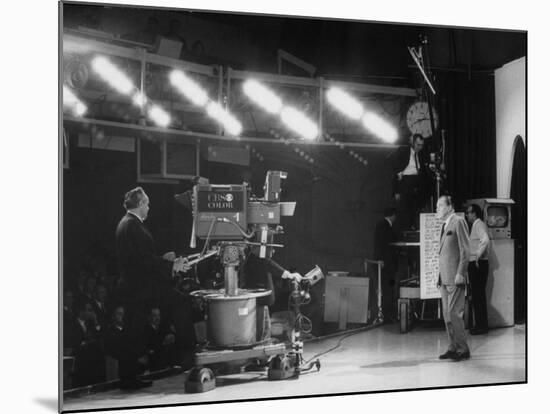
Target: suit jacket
(400, 160)
(144, 273)
(454, 250)
(383, 236)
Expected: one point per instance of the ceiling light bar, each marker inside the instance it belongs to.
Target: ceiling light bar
(159, 116)
(229, 122)
(299, 123)
(70, 100)
(380, 127)
(112, 75)
(345, 103)
(262, 96)
(189, 88)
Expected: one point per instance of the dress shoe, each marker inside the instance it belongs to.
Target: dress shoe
(460, 356)
(478, 331)
(448, 355)
(135, 384)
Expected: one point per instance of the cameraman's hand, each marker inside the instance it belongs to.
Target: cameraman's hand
(181, 265)
(292, 276)
(170, 256)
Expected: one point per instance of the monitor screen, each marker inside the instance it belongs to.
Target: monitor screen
(497, 216)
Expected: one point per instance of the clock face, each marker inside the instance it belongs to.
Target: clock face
(418, 119)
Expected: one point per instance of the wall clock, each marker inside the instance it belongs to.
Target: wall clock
(418, 119)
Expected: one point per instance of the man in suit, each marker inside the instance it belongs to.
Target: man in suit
(478, 268)
(146, 277)
(410, 182)
(454, 254)
(383, 236)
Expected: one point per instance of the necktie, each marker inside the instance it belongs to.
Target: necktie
(416, 161)
(442, 231)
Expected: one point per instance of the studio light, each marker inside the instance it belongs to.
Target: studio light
(345, 103)
(70, 100)
(299, 123)
(139, 99)
(112, 75)
(188, 88)
(380, 127)
(229, 122)
(159, 116)
(262, 96)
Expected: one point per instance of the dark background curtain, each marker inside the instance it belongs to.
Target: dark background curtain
(467, 103)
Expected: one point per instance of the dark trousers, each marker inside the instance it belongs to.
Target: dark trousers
(389, 293)
(410, 203)
(478, 282)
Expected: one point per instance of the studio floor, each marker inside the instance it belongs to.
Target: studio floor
(372, 360)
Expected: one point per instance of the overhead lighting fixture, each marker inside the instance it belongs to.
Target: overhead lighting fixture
(112, 75)
(159, 116)
(262, 96)
(70, 100)
(139, 99)
(229, 122)
(299, 123)
(380, 127)
(345, 103)
(189, 88)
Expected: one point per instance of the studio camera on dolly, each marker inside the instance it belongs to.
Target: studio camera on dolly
(234, 224)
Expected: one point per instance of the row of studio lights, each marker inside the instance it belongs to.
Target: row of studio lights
(262, 96)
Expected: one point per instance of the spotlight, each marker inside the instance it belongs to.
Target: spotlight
(112, 75)
(229, 122)
(346, 104)
(380, 127)
(262, 96)
(189, 88)
(70, 100)
(139, 99)
(299, 123)
(80, 109)
(159, 116)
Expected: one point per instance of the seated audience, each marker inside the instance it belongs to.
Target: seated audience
(160, 342)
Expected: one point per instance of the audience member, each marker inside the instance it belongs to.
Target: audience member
(118, 345)
(160, 342)
(85, 340)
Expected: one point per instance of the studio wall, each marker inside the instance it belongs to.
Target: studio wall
(510, 119)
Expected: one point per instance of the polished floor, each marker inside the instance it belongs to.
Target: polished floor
(373, 360)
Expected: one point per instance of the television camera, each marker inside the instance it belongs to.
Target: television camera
(232, 224)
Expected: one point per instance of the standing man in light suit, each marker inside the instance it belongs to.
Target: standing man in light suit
(454, 254)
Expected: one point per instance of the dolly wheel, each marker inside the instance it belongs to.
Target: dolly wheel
(200, 380)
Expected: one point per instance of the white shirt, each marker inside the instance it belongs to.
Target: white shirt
(479, 241)
(389, 221)
(412, 167)
(448, 219)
